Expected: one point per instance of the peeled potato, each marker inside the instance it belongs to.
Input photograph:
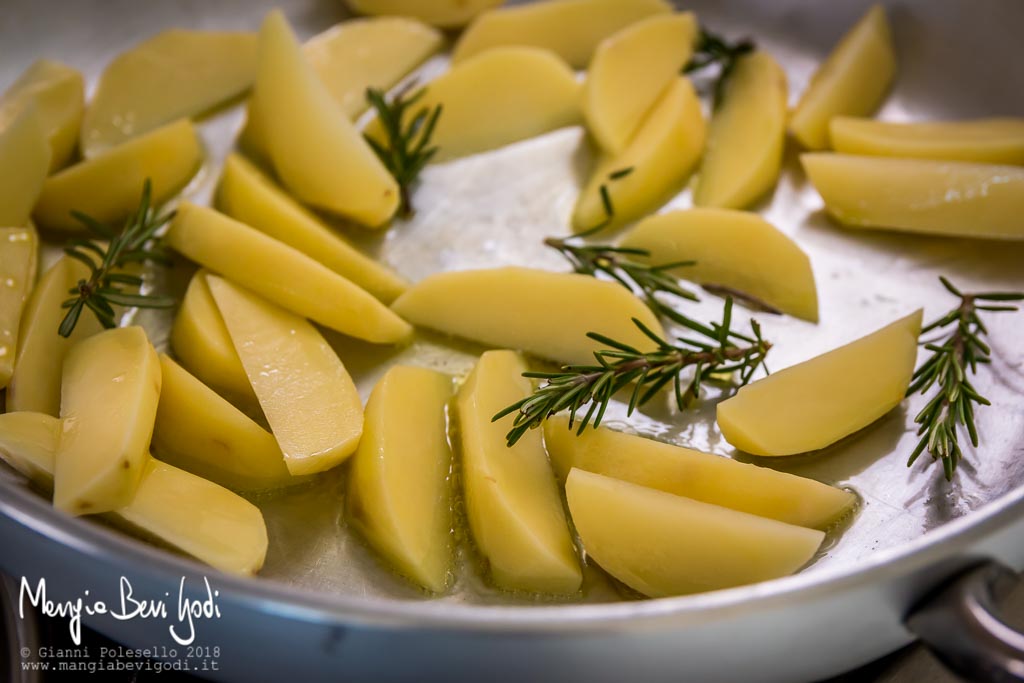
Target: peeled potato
(986, 141)
(734, 249)
(853, 80)
(19, 249)
(921, 195)
(813, 404)
(746, 136)
(661, 154)
(443, 13)
(57, 92)
(24, 163)
(629, 72)
(570, 28)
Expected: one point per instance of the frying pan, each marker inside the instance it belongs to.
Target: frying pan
(921, 558)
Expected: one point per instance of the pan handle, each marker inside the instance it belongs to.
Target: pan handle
(959, 623)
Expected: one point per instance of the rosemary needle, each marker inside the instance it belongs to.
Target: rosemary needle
(713, 49)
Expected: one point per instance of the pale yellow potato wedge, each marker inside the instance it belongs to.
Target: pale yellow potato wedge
(662, 545)
(316, 151)
(541, 312)
(955, 198)
(35, 383)
(746, 136)
(199, 431)
(177, 508)
(629, 72)
(203, 346)
(514, 510)
(570, 28)
(58, 93)
(305, 391)
(19, 255)
(107, 187)
(249, 196)
(733, 249)
(984, 141)
(399, 487)
(502, 96)
(110, 386)
(815, 403)
(24, 163)
(443, 13)
(853, 81)
(662, 153)
(283, 275)
(175, 74)
(701, 476)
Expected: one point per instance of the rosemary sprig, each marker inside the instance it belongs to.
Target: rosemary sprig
(408, 148)
(107, 286)
(954, 357)
(713, 49)
(618, 365)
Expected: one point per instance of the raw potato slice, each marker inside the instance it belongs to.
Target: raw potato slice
(629, 72)
(662, 545)
(746, 137)
(247, 195)
(58, 93)
(174, 74)
(813, 404)
(180, 509)
(985, 141)
(708, 478)
(109, 392)
(199, 431)
(108, 186)
(24, 163)
(853, 80)
(317, 152)
(203, 346)
(284, 275)
(399, 493)
(544, 313)
(443, 13)
(735, 249)
(18, 257)
(513, 505)
(570, 28)
(503, 96)
(309, 399)
(920, 195)
(35, 384)
(662, 154)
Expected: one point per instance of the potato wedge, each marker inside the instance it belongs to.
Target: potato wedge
(175, 74)
(316, 151)
(399, 487)
(701, 476)
(195, 516)
(853, 81)
(35, 382)
(24, 163)
(541, 312)
(443, 13)
(984, 141)
(500, 97)
(746, 136)
(733, 249)
(110, 386)
(661, 545)
(107, 187)
(815, 403)
(570, 28)
(955, 198)
(249, 196)
(199, 431)
(630, 70)
(662, 153)
(283, 275)
(19, 254)
(513, 506)
(58, 93)
(305, 391)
